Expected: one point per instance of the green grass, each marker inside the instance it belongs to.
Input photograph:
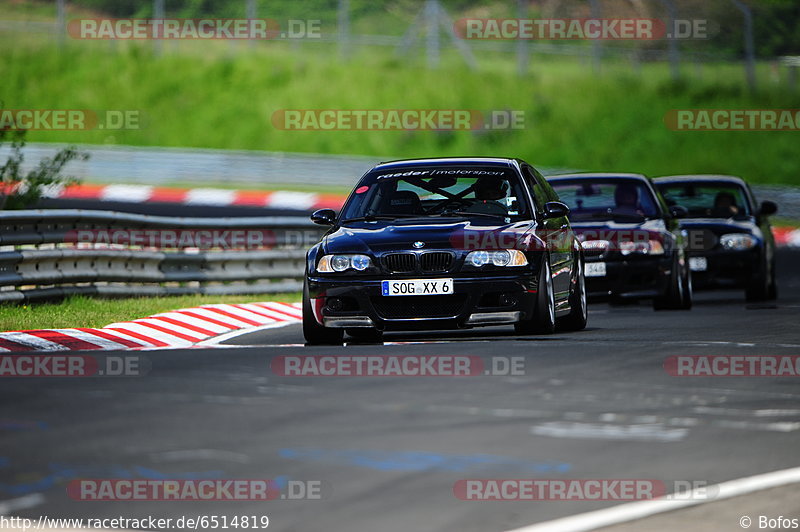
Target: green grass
(217, 95)
(87, 312)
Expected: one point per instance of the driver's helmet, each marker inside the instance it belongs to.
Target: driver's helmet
(626, 196)
(490, 188)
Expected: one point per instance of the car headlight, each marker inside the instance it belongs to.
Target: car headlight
(737, 241)
(595, 245)
(651, 247)
(503, 257)
(341, 263)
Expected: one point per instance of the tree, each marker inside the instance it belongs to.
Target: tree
(18, 190)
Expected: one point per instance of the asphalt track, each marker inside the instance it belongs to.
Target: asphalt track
(594, 404)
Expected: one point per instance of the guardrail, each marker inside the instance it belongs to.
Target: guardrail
(48, 254)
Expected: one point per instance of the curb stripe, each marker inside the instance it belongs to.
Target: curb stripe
(185, 320)
(11, 345)
(224, 313)
(168, 195)
(170, 329)
(285, 199)
(143, 338)
(275, 315)
(195, 315)
(63, 339)
(103, 333)
(236, 310)
(209, 314)
(178, 328)
(94, 338)
(148, 332)
(33, 341)
(260, 312)
(185, 325)
(169, 332)
(293, 313)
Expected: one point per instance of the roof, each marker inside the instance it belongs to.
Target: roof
(699, 178)
(449, 160)
(598, 175)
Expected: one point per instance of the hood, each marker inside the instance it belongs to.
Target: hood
(720, 226)
(379, 237)
(611, 230)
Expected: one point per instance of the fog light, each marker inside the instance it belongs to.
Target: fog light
(335, 304)
(508, 300)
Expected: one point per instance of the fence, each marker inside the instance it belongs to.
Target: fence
(54, 253)
(432, 31)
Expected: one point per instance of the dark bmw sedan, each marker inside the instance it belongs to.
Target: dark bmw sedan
(730, 242)
(631, 240)
(433, 244)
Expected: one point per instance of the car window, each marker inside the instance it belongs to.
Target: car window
(538, 192)
(598, 199)
(429, 192)
(707, 200)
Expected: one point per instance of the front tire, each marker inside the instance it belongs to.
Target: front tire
(579, 312)
(688, 291)
(314, 333)
(674, 298)
(543, 320)
(762, 286)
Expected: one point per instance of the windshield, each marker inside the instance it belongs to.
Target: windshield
(707, 200)
(595, 199)
(435, 192)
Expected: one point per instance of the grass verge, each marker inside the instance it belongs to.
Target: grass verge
(87, 312)
(212, 97)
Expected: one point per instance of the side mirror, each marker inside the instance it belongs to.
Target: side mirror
(555, 209)
(768, 208)
(324, 217)
(678, 211)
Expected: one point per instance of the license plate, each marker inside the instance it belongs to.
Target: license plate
(595, 269)
(418, 287)
(698, 264)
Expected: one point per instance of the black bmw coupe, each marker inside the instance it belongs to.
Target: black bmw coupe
(435, 244)
(632, 240)
(730, 237)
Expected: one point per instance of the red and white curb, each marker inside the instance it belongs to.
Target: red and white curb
(787, 236)
(278, 199)
(179, 328)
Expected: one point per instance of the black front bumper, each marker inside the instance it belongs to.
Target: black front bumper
(631, 278)
(727, 269)
(476, 301)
